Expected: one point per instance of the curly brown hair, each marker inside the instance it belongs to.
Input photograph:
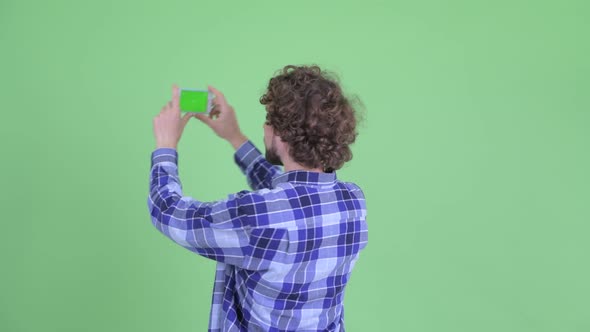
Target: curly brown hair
(308, 110)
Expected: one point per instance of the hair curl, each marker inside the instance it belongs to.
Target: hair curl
(307, 109)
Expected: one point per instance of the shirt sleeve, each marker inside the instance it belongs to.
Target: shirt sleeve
(217, 230)
(258, 170)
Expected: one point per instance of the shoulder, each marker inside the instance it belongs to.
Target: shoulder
(263, 194)
(353, 188)
(264, 207)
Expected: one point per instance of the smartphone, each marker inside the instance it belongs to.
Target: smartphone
(195, 100)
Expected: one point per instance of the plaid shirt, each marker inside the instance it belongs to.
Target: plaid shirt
(284, 251)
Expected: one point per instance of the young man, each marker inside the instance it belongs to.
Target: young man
(286, 249)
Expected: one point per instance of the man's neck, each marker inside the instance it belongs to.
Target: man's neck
(293, 166)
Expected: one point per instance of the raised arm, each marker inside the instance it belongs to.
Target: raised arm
(259, 172)
(223, 121)
(220, 230)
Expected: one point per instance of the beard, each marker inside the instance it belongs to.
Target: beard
(272, 156)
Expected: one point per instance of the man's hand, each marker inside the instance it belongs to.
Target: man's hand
(168, 126)
(222, 119)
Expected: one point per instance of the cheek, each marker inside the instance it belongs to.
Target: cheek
(266, 140)
(267, 135)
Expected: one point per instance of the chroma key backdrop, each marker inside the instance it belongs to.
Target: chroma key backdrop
(473, 153)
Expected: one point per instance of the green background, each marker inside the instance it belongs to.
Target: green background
(473, 155)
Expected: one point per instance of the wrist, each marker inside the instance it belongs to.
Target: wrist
(165, 145)
(238, 140)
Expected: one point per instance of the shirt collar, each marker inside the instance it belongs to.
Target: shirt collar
(305, 178)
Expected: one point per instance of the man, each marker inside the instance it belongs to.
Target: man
(286, 249)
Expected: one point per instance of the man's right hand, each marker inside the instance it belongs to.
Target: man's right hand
(222, 119)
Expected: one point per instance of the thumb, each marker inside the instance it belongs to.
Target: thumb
(185, 119)
(205, 118)
(218, 94)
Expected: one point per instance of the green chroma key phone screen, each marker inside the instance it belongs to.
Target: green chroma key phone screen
(193, 101)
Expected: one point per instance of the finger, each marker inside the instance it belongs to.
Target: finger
(173, 109)
(175, 95)
(218, 95)
(214, 113)
(185, 118)
(204, 118)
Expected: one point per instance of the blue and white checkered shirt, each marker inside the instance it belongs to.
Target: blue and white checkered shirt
(285, 250)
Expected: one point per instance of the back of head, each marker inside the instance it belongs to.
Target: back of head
(307, 109)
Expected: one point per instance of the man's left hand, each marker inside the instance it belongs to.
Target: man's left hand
(168, 125)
